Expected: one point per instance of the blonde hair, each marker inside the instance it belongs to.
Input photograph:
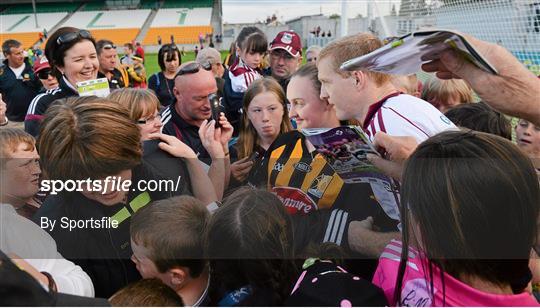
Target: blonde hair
(10, 139)
(138, 102)
(350, 47)
(248, 136)
(437, 91)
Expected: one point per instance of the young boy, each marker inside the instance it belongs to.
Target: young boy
(167, 243)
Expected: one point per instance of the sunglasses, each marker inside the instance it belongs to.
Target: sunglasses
(44, 74)
(193, 68)
(71, 36)
(109, 46)
(169, 47)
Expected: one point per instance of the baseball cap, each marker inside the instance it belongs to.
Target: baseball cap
(288, 40)
(41, 64)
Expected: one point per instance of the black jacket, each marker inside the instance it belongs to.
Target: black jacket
(103, 253)
(41, 102)
(163, 88)
(18, 93)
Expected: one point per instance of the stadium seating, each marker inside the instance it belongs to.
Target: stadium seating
(182, 35)
(27, 39)
(190, 4)
(185, 24)
(41, 8)
(118, 36)
(149, 4)
(94, 6)
(22, 26)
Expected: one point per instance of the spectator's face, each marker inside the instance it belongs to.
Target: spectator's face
(528, 138)
(217, 68)
(20, 177)
(252, 59)
(337, 90)
(146, 267)
(80, 62)
(47, 79)
(191, 92)
(312, 56)
(16, 56)
(127, 50)
(109, 194)
(172, 65)
(265, 112)
(107, 59)
(308, 110)
(283, 64)
(149, 124)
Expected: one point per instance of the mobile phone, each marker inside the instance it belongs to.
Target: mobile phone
(215, 106)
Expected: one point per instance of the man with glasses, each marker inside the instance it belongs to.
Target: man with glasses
(43, 70)
(285, 57)
(18, 83)
(107, 56)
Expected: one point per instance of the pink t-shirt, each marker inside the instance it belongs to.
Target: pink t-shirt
(416, 290)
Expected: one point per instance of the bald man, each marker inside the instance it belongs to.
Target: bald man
(192, 86)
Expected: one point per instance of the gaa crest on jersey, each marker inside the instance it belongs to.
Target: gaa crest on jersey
(295, 200)
(319, 185)
(278, 167)
(286, 38)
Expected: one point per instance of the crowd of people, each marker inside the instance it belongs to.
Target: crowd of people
(250, 213)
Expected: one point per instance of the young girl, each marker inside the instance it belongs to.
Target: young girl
(470, 201)
(264, 118)
(251, 46)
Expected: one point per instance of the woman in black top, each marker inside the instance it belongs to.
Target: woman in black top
(162, 83)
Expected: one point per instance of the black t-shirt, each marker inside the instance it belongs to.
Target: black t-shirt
(116, 81)
(103, 253)
(175, 125)
(163, 88)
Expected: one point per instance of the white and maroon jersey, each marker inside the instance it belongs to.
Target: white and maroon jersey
(242, 75)
(404, 115)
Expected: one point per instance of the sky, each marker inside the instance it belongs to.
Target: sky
(245, 11)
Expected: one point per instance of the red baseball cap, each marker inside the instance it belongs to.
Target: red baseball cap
(288, 40)
(41, 64)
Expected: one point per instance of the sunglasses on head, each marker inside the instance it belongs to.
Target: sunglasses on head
(44, 74)
(170, 47)
(109, 46)
(193, 68)
(71, 36)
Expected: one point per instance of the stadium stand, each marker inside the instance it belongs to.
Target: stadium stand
(189, 4)
(41, 8)
(119, 26)
(95, 6)
(22, 27)
(184, 23)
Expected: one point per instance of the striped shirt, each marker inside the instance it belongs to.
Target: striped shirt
(242, 76)
(405, 115)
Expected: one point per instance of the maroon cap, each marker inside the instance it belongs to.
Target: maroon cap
(289, 41)
(41, 64)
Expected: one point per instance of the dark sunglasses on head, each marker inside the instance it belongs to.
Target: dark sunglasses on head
(193, 68)
(170, 47)
(71, 36)
(44, 74)
(109, 46)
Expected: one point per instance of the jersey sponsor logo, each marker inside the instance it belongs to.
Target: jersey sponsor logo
(302, 166)
(445, 119)
(278, 167)
(295, 200)
(320, 184)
